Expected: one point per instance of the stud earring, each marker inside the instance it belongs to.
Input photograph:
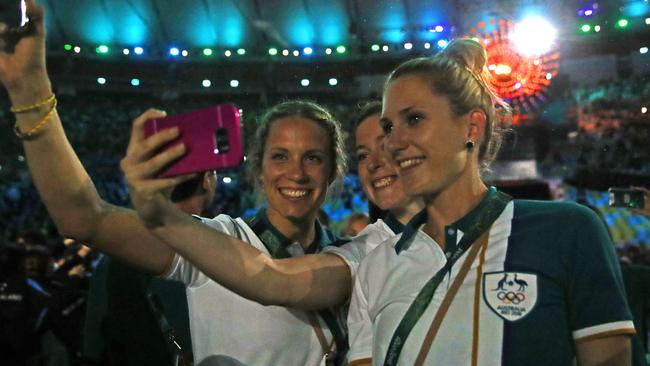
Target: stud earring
(469, 144)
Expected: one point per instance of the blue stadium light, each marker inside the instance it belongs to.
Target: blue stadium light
(443, 43)
(135, 82)
(304, 82)
(206, 83)
(439, 28)
(101, 80)
(307, 50)
(174, 51)
(138, 50)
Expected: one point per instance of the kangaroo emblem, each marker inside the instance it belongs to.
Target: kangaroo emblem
(522, 284)
(502, 282)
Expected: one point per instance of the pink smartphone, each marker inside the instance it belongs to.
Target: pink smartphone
(212, 138)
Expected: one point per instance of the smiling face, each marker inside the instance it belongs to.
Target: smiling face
(378, 175)
(424, 137)
(296, 169)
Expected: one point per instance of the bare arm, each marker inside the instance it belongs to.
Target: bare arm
(605, 351)
(309, 282)
(63, 183)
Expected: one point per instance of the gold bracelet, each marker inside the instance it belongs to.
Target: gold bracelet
(32, 132)
(38, 105)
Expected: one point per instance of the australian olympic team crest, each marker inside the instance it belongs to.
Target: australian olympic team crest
(511, 295)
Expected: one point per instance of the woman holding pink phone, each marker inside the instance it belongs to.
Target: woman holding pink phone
(300, 153)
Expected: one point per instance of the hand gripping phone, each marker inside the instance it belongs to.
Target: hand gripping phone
(626, 197)
(212, 138)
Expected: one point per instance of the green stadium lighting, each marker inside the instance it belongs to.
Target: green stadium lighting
(103, 49)
(67, 47)
(585, 28)
(374, 47)
(207, 52)
(340, 49)
(622, 23)
(241, 51)
(273, 51)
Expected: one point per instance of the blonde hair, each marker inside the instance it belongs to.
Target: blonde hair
(459, 74)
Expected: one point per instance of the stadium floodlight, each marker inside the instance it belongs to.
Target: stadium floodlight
(102, 49)
(296, 53)
(234, 83)
(427, 45)
(375, 47)
(228, 53)
(273, 51)
(304, 82)
(285, 52)
(138, 50)
(174, 51)
(307, 50)
(126, 51)
(135, 82)
(101, 80)
(622, 23)
(184, 53)
(442, 43)
(241, 51)
(207, 52)
(206, 83)
(585, 28)
(408, 45)
(333, 81)
(643, 50)
(328, 51)
(384, 48)
(67, 47)
(77, 49)
(647, 21)
(533, 36)
(549, 76)
(597, 28)
(340, 49)
(227, 180)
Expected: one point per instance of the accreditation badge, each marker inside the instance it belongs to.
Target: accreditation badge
(511, 295)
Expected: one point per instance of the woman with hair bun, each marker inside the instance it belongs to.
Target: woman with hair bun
(478, 278)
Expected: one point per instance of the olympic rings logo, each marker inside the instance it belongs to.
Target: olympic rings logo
(511, 297)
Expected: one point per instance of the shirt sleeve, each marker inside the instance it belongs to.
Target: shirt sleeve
(359, 324)
(597, 301)
(184, 271)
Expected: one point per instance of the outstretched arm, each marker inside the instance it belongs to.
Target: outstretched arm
(63, 183)
(308, 282)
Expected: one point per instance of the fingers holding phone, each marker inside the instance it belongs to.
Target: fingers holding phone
(142, 164)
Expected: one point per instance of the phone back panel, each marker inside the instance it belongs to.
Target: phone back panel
(212, 138)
